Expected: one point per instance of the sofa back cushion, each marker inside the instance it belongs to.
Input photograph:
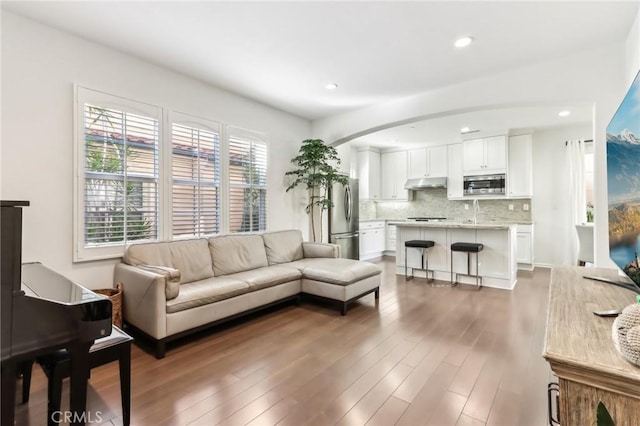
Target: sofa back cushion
(237, 253)
(190, 257)
(155, 254)
(283, 246)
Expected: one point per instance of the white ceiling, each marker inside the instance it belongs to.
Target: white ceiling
(445, 130)
(284, 53)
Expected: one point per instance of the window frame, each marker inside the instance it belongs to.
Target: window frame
(188, 120)
(239, 132)
(83, 95)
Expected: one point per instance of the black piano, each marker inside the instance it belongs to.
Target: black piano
(42, 312)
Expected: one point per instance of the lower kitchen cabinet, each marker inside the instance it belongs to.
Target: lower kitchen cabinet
(524, 252)
(391, 234)
(372, 239)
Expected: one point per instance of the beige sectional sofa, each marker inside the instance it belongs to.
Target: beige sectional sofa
(178, 287)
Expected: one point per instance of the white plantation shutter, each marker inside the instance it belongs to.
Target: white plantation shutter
(118, 193)
(247, 183)
(121, 176)
(195, 166)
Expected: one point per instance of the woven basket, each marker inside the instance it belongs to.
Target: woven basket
(115, 295)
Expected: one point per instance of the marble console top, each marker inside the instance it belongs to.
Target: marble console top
(453, 225)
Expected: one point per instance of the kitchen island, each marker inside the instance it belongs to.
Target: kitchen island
(498, 264)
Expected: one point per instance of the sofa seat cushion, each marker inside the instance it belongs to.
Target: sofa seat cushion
(267, 277)
(335, 271)
(206, 291)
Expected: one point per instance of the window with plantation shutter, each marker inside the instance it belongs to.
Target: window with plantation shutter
(117, 199)
(195, 166)
(247, 182)
(146, 174)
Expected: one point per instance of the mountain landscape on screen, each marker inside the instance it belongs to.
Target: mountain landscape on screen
(623, 183)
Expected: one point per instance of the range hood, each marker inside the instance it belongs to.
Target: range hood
(426, 183)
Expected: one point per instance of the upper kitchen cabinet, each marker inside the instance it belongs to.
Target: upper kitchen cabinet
(393, 176)
(369, 175)
(520, 175)
(427, 162)
(485, 155)
(455, 182)
(344, 154)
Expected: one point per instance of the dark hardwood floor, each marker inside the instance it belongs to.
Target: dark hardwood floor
(423, 355)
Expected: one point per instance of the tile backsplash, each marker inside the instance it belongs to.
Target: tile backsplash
(434, 203)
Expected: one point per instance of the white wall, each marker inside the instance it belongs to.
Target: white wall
(40, 65)
(632, 51)
(550, 191)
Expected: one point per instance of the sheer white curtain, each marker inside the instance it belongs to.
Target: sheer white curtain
(576, 212)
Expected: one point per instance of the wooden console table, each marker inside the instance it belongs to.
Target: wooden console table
(580, 351)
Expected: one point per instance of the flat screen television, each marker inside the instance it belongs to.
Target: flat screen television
(623, 186)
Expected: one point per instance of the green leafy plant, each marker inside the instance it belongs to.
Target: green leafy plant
(603, 418)
(316, 169)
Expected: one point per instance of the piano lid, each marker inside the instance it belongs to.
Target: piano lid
(41, 282)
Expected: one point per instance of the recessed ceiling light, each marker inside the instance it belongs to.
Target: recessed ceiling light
(564, 113)
(464, 130)
(463, 41)
(331, 86)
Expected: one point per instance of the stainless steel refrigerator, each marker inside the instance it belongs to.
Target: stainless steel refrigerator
(344, 218)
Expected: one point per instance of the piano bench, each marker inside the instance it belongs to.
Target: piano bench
(57, 366)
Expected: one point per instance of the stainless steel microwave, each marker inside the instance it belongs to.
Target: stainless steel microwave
(484, 184)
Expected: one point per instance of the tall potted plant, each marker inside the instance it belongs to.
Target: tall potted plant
(316, 169)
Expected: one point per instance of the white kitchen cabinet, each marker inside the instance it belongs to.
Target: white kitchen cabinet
(344, 154)
(427, 162)
(393, 176)
(372, 239)
(390, 234)
(520, 172)
(455, 184)
(484, 155)
(417, 163)
(524, 251)
(369, 175)
(437, 161)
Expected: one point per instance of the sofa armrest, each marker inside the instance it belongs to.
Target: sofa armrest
(171, 276)
(145, 300)
(320, 250)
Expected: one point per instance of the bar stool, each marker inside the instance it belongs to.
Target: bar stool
(424, 246)
(57, 366)
(467, 248)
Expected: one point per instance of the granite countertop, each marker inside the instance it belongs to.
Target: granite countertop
(453, 221)
(452, 224)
